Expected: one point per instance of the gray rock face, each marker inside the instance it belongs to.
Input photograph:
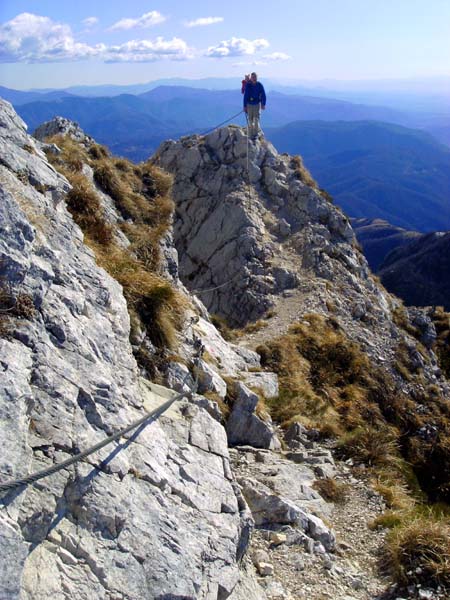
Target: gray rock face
(62, 126)
(269, 508)
(154, 516)
(245, 427)
(230, 222)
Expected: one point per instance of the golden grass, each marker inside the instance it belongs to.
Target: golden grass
(332, 490)
(327, 382)
(72, 154)
(302, 172)
(85, 207)
(159, 306)
(141, 193)
(418, 551)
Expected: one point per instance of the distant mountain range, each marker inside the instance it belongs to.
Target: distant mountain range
(419, 272)
(378, 237)
(375, 170)
(17, 97)
(424, 101)
(134, 125)
(413, 266)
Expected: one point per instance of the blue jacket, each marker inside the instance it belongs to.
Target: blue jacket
(254, 94)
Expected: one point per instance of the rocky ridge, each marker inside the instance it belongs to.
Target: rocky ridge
(172, 512)
(158, 515)
(268, 242)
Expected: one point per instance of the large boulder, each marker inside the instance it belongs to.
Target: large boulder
(245, 427)
(269, 508)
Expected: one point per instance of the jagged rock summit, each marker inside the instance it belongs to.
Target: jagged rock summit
(62, 126)
(254, 232)
(240, 208)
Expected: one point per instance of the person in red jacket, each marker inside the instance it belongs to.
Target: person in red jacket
(244, 83)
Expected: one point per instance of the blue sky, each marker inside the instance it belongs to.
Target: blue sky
(47, 43)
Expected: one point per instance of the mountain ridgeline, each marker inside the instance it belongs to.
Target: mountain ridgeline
(371, 167)
(376, 170)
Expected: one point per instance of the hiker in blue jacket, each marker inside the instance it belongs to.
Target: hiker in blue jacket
(254, 97)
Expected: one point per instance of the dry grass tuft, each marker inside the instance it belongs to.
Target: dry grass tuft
(331, 490)
(375, 447)
(14, 305)
(72, 154)
(85, 207)
(97, 152)
(223, 405)
(418, 551)
(387, 520)
(401, 319)
(441, 320)
(302, 172)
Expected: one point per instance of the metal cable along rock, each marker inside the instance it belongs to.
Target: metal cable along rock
(154, 414)
(220, 124)
(217, 287)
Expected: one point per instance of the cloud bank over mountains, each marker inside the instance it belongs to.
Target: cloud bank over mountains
(30, 38)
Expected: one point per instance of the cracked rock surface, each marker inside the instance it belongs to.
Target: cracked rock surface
(156, 515)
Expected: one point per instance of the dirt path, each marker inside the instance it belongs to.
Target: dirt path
(351, 573)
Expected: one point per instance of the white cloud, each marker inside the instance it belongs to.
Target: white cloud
(237, 47)
(276, 56)
(204, 21)
(32, 38)
(90, 22)
(149, 51)
(147, 20)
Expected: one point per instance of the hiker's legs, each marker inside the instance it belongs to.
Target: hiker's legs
(253, 119)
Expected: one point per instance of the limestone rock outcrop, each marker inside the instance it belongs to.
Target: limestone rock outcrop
(234, 213)
(156, 515)
(160, 514)
(254, 233)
